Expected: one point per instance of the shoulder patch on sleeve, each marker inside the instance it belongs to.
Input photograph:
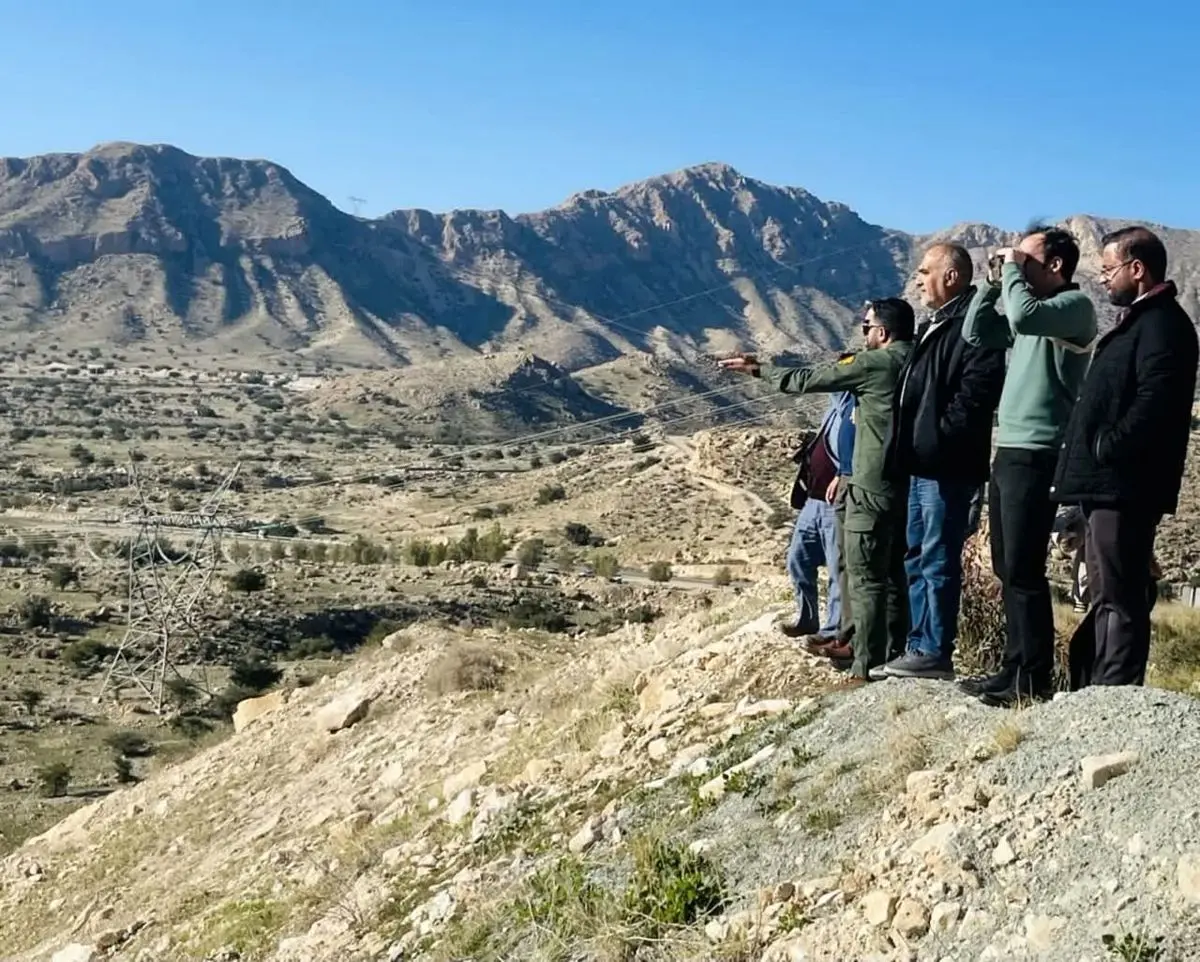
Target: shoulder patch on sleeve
(847, 358)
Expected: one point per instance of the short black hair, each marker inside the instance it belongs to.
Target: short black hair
(1140, 244)
(895, 315)
(1058, 243)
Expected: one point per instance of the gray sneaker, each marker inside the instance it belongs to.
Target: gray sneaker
(916, 665)
(879, 673)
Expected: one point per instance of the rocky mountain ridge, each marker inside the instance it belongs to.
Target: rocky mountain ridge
(148, 248)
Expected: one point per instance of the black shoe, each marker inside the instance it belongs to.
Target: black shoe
(1013, 697)
(986, 683)
(799, 629)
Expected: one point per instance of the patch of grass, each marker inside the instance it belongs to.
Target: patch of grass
(1175, 648)
(248, 926)
(1008, 735)
(822, 821)
(466, 667)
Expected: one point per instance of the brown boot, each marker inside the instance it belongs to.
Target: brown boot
(838, 652)
(820, 646)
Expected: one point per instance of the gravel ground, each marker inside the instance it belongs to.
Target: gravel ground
(1032, 863)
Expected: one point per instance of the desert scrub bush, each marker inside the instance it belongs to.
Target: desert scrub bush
(248, 580)
(254, 675)
(670, 886)
(62, 576)
(981, 625)
(86, 656)
(606, 564)
(130, 744)
(722, 577)
(466, 667)
(659, 571)
(54, 778)
(579, 534)
(36, 612)
(550, 493)
(531, 552)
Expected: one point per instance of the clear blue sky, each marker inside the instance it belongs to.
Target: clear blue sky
(915, 115)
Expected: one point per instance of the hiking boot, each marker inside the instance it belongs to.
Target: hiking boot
(915, 665)
(838, 652)
(799, 629)
(821, 646)
(986, 683)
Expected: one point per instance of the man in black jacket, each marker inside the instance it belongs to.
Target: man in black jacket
(1123, 455)
(941, 439)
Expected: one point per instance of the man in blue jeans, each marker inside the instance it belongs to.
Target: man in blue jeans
(814, 537)
(942, 441)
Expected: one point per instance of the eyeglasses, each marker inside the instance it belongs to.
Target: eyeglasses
(866, 327)
(1108, 273)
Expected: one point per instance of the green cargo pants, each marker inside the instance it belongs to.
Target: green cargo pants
(875, 546)
(846, 627)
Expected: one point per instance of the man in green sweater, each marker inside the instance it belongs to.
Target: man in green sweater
(1050, 325)
(876, 504)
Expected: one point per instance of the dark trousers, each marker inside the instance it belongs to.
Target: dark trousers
(1119, 545)
(1021, 517)
(846, 628)
(874, 532)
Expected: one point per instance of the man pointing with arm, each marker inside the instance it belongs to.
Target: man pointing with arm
(875, 503)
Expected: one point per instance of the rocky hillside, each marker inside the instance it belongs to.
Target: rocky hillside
(149, 249)
(700, 794)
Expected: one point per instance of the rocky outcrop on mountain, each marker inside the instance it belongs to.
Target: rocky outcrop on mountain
(149, 248)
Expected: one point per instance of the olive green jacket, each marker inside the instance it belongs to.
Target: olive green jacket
(871, 376)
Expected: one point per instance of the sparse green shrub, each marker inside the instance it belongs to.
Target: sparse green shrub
(722, 577)
(181, 692)
(130, 744)
(36, 612)
(550, 493)
(86, 656)
(254, 675)
(532, 552)
(659, 571)
(466, 667)
(670, 887)
(62, 576)
(419, 553)
(606, 564)
(55, 778)
(579, 534)
(247, 580)
(30, 698)
(529, 613)
(313, 647)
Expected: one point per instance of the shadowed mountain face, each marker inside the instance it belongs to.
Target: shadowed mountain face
(150, 248)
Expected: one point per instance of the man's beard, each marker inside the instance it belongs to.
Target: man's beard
(1122, 298)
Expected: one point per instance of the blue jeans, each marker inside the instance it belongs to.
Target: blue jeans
(938, 521)
(814, 543)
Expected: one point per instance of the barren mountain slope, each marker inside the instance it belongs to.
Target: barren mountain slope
(695, 795)
(147, 247)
